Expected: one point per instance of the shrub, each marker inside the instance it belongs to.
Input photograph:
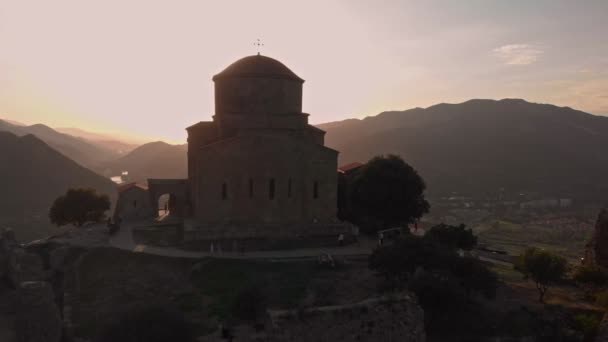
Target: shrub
(601, 298)
(587, 324)
(154, 323)
(590, 275)
(454, 237)
(250, 305)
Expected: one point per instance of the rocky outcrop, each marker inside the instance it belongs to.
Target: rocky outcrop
(597, 249)
(38, 318)
(7, 245)
(36, 274)
(394, 318)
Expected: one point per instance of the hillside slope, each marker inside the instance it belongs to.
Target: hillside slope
(480, 146)
(33, 175)
(82, 151)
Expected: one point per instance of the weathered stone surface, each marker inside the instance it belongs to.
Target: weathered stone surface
(398, 318)
(25, 266)
(38, 318)
(7, 244)
(58, 258)
(602, 332)
(597, 248)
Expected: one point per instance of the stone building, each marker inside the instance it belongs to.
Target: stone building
(258, 163)
(133, 202)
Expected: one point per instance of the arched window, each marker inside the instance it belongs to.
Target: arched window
(224, 191)
(315, 190)
(271, 189)
(289, 188)
(250, 188)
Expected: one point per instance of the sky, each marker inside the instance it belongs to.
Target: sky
(144, 67)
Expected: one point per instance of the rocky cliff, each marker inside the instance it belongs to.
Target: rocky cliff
(32, 290)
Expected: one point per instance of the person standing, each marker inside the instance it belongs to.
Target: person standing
(355, 231)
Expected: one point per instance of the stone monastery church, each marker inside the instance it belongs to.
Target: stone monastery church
(257, 170)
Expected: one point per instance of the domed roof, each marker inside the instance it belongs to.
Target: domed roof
(258, 66)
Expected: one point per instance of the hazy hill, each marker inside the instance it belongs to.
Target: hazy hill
(121, 146)
(480, 146)
(153, 160)
(32, 175)
(80, 150)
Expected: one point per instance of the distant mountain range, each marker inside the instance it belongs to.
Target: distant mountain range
(32, 175)
(481, 146)
(88, 153)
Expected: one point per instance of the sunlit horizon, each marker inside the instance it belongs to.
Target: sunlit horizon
(144, 69)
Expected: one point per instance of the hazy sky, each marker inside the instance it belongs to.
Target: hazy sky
(145, 67)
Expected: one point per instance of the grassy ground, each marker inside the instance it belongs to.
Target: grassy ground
(111, 281)
(31, 228)
(514, 238)
(284, 284)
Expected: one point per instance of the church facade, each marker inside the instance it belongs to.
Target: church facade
(258, 163)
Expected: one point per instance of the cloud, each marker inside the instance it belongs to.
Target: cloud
(518, 54)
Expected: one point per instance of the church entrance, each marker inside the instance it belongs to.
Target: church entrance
(166, 205)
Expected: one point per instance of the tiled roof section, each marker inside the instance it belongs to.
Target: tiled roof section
(349, 167)
(258, 66)
(128, 186)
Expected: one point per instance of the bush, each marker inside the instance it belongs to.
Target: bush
(601, 299)
(398, 261)
(155, 323)
(454, 237)
(590, 275)
(437, 292)
(475, 277)
(588, 325)
(250, 305)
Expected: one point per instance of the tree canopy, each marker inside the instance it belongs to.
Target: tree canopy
(79, 206)
(387, 192)
(455, 237)
(543, 267)
(435, 253)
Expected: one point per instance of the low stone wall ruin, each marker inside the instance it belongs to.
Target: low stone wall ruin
(34, 275)
(390, 318)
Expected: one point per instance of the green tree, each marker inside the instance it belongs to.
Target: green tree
(455, 237)
(543, 267)
(79, 206)
(387, 192)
